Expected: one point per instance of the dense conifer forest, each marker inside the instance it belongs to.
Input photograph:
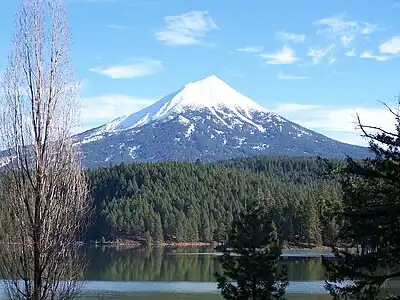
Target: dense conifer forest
(195, 202)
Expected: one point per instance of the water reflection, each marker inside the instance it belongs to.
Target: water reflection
(169, 264)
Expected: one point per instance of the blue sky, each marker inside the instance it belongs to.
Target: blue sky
(314, 62)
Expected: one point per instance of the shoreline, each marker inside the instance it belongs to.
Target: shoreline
(135, 245)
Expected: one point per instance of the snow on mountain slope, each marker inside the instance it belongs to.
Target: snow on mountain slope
(209, 120)
(210, 93)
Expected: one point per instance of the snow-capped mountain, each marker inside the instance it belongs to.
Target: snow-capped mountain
(207, 120)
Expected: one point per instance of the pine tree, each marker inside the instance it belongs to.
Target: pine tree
(158, 234)
(205, 228)
(180, 227)
(369, 219)
(252, 260)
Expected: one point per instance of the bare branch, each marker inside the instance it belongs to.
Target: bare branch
(44, 184)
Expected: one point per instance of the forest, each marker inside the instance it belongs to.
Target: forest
(196, 202)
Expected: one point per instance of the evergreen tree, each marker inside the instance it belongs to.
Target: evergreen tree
(180, 227)
(205, 228)
(158, 231)
(369, 221)
(252, 259)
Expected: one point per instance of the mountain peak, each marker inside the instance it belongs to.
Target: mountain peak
(209, 80)
(211, 94)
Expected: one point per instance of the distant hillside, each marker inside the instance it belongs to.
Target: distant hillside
(180, 201)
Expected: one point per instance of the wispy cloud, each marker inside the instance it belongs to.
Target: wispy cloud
(101, 109)
(370, 54)
(317, 54)
(351, 53)
(338, 27)
(139, 69)
(117, 26)
(337, 122)
(283, 76)
(285, 56)
(391, 46)
(250, 49)
(289, 36)
(186, 29)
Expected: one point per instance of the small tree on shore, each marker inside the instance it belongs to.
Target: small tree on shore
(43, 182)
(251, 261)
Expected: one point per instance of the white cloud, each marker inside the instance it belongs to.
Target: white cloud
(369, 54)
(285, 56)
(289, 36)
(140, 69)
(337, 122)
(250, 49)
(102, 109)
(369, 28)
(391, 46)
(283, 76)
(338, 27)
(317, 54)
(186, 29)
(351, 53)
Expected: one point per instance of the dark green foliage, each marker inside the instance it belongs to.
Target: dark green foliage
(370, 222)
(198, 202)
(158, 235)
(252, 259)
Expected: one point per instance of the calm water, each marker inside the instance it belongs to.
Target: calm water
(181, 265)
(184, 273)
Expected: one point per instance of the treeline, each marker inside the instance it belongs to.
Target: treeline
(191, 202)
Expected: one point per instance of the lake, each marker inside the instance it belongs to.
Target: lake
(184, 273)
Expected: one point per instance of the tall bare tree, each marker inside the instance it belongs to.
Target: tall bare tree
(44, 184)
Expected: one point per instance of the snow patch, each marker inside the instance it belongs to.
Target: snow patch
(91, 138)
(183, 120)
(300, 131)
(261, 147)
(240, 141)
(189, 131)
(132, 151)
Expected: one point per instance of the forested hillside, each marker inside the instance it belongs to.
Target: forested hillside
(186, 202)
